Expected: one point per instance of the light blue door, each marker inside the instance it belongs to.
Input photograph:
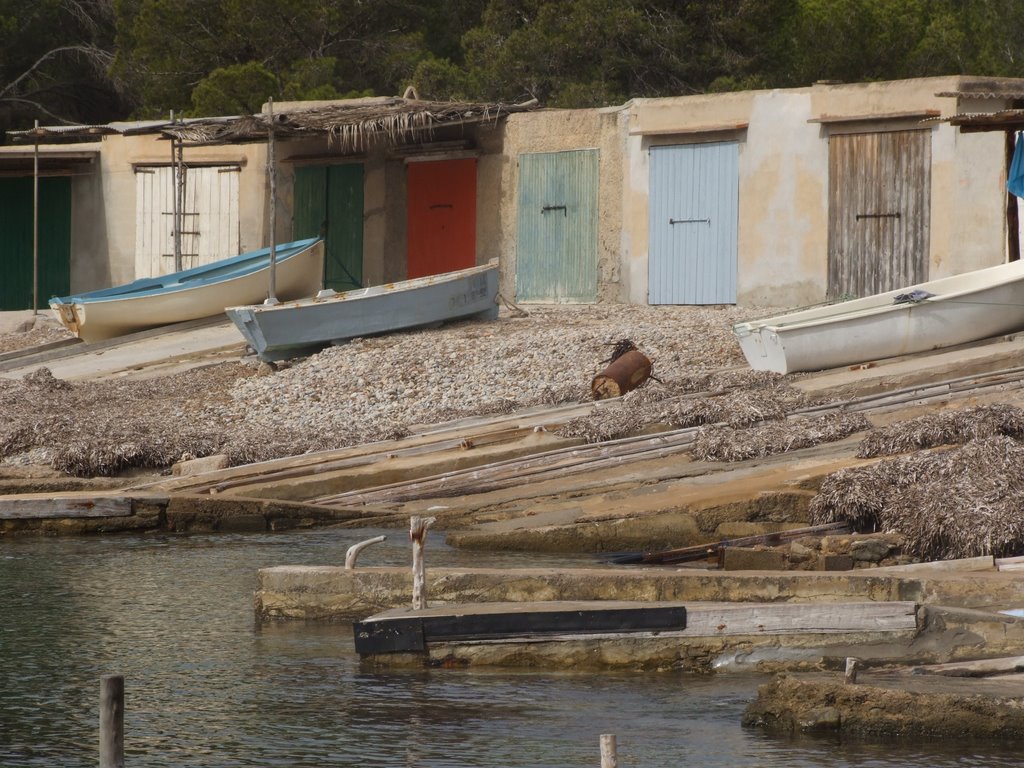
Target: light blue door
(694, 200)
(556, 228)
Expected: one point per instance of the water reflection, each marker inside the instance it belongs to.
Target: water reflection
(205, 687)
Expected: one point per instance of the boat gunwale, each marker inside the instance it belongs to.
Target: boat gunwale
(777, 323)
(162, 286)
(384, 289)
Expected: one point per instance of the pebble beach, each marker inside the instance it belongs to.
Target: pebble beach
(369, 389)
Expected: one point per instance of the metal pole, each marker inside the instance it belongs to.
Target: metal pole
(272, 172)
(112, 721)
(35, 224)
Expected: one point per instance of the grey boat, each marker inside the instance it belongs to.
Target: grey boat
(296, 328)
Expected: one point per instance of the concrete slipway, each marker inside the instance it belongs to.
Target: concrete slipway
(509, 482)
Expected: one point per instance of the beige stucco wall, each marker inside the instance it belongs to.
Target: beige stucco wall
(782, 137)
(783, 179)
(560, 130)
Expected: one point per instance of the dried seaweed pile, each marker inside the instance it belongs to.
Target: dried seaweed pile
(728, 444)
(738, 399)
(962, 502)
(946, 428)
(102, 428)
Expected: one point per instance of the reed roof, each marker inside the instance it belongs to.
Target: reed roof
(351, 126)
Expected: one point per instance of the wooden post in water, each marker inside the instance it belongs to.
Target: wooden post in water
(418, 536)
(112, 721)
(609, 751)
(852, 665)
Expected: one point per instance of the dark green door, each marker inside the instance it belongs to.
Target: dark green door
(16, 241)
(329, 202)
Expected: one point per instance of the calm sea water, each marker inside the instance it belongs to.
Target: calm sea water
(205, 686)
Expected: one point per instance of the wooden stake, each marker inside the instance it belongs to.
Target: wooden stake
(112, 721)
(272, 172)
(418, 536)
(852, 665)
(609, 751)
(35, 223)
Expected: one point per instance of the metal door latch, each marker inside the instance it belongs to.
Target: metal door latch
(561, 208)
(690, 221)
(877, 216)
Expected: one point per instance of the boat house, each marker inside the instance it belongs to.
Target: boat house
(768, 198)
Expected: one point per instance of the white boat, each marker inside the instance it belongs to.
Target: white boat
(941, 313)
(282, 331)
(195, 293)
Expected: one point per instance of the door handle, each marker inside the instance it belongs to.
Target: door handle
(877, 216)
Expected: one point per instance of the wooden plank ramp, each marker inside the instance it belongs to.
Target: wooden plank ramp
(405, 630)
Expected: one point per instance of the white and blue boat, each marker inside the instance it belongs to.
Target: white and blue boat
(203, 291)
(293, 329)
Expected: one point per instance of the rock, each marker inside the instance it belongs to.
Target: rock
(870, 550)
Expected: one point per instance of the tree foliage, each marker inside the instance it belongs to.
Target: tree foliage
(102, 59)
(54, 61)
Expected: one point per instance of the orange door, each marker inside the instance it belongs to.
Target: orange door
(442, 216)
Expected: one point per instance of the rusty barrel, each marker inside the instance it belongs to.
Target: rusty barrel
(622, 375)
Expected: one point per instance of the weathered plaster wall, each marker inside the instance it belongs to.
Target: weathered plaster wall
(560, 130)
(104, 204)
(783, 140)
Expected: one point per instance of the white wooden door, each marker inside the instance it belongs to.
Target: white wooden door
(209, 224)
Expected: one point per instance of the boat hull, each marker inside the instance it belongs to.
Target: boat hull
(963, 308)
(303, 327)
(190, 295)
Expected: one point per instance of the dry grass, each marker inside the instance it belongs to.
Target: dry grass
(944, 428)
(729, 444)
(100, 429)
(736, 398)
(966, 501)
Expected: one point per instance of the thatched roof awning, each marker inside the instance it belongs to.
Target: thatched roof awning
(350, 127)
(53, 134)
(1003, 120)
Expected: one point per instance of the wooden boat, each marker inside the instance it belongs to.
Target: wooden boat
(191, 294)
(303, 327)
(941, 313)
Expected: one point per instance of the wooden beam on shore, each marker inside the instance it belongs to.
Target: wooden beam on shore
(42, 507)
(713, 550)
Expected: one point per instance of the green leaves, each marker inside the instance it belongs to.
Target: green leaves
(95, 60)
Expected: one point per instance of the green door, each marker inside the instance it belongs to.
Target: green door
(329, 203)
(16, 241)
(556, 228)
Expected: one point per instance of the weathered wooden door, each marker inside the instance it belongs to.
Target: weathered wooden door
(694, 199)
(556, 230)
(329, 204)
(441, 212)
(16, 238)
(879, 202)
(209, 217)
